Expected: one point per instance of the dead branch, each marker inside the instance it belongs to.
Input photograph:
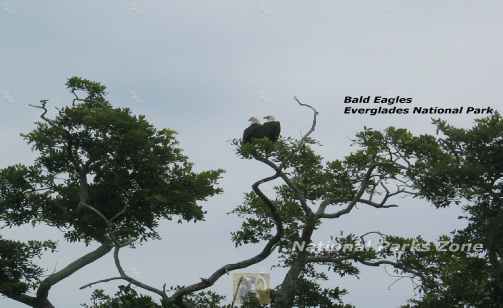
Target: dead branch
(133, 281)
(44, 110)
(100, 281)
(315, 116)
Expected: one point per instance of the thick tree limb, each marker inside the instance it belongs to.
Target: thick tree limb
(177, 297)
(22, 298)
(47, 283)
(266, 251)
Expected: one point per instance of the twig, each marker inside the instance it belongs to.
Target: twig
(131, 280)
(100, 281)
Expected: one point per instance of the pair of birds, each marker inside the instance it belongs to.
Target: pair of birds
(270, 129)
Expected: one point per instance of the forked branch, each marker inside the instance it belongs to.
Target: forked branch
(266, 251)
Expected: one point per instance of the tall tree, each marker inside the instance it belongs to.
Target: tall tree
(310, 190)
(101, 175)
(460, 167)
(314, 190)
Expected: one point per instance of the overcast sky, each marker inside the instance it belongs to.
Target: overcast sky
(204, 67)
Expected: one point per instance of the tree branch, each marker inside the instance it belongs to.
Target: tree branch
(22, 298)
(44, 109)
(131, 280)
(298, 194)
(47, 283)
(321, 210)
(279, 169)
(315, 116)
(100, 281)
(266, 251)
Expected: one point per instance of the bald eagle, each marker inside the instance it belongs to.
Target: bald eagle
(270, 130)
(253, 131)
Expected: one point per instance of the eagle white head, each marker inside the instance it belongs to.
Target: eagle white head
(254, 120)
(269, 118)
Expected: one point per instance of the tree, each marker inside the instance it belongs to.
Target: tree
(467, 171)
(456, 167)
(314, 190)
(101, 175)
(311, 191)
(384, 166)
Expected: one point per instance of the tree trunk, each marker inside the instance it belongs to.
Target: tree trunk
(45, 304)
(286, 294)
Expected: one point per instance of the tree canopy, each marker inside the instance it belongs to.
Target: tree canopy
(454, 167)
(101, 174)
(105, 176)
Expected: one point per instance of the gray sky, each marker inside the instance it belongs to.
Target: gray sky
(202, 68)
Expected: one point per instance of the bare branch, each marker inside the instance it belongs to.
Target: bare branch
(377, 205)
(315, 116)
(131, 280)
(388, 194)
(44, 109)
(321, 210)
(47, 283)
(100, 281)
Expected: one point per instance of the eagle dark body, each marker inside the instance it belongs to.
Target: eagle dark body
(269, 130)
(272, 130)
(252, 132)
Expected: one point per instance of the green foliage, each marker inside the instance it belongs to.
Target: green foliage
(125, 297)
(458, 166)
(93, 157)
(19, 273)
(126, 161)
(466, 169)
(310, 294)
(388, 156)
(128, 297)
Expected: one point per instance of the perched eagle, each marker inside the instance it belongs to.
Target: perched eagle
(252, 131)
(269, 129)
